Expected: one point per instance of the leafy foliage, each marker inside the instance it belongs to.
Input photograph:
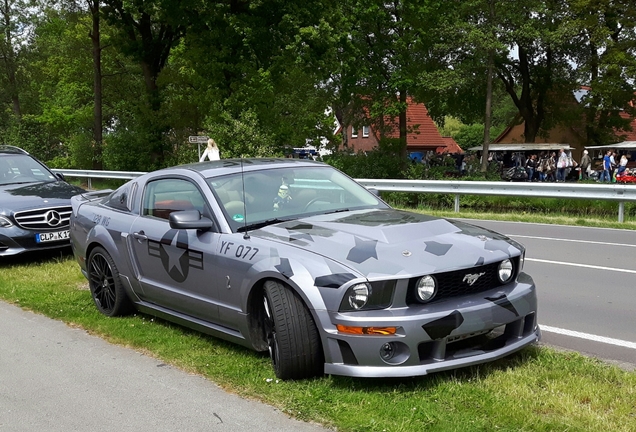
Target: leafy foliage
(243, 137)
(373, 164)
(473, 135)
(271, 69)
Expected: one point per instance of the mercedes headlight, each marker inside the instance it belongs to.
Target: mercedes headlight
(5, 222)
(504, 272)
(426, 288)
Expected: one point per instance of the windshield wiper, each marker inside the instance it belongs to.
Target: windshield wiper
(261, 224)
(338, 211)
(22, 182)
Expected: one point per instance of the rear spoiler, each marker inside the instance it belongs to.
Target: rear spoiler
(94, 195)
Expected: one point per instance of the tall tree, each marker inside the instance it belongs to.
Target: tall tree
(263, 61)
(148, 31)
(606, 62)
(537, 72)
(15, 28)
(534, 52)
(386, 45)
(95, 36)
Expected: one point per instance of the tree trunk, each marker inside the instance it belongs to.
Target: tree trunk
(97, 87)
(402, 121)
(485, 148)
(9, 60)
(488, 116)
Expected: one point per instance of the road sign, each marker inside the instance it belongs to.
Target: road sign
(198, 139)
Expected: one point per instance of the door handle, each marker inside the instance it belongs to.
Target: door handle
(141, 236)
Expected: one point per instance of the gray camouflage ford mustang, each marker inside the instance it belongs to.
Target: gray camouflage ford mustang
(295, 258)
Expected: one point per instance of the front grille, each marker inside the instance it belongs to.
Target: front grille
(44, 219)
(453, 283)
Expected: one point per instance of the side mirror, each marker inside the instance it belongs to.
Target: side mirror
(374, 192)
(60, 176)
(190, 219)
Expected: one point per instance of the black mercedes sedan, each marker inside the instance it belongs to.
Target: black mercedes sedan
(34, 204)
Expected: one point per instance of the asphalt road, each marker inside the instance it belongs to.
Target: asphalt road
(586, 284)
(55, 378)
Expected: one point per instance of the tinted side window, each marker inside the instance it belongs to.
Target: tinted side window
(165, 196)
(119, 199)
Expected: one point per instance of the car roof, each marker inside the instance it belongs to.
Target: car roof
(230, 166)
(8, 149)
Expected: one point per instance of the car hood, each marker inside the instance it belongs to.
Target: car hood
(377, 243)
(18, 197)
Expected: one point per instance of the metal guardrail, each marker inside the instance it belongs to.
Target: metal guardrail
(91, 174)
(607, 192)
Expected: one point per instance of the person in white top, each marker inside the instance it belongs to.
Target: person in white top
(622, 165)
(211, 151)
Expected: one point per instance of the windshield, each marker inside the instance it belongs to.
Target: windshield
(16, 169)
(256, 197)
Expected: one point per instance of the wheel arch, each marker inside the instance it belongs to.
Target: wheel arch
(254, 308)
(290, 330)
(99, 236)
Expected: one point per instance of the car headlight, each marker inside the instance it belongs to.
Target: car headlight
(426, 288)
(505, 270)
(5, 222)
(368, 296)
(358, 295)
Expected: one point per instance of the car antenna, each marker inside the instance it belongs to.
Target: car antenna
(246, 235)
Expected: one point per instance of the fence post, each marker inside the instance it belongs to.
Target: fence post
(457, 203)
(621, 212)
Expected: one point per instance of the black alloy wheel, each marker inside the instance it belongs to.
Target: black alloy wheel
(106, 288)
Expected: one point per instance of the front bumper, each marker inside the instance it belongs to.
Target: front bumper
(450, 334)
(15, 240)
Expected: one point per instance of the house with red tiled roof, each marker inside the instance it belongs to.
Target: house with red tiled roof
(422, 133)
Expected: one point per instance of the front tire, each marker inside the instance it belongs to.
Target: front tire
(106, 288)
(292, 337)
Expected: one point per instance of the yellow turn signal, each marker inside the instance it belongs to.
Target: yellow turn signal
(383, 331)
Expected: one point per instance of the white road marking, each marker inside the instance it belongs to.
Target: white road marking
(587, 336)
(582, 265)
(574, 241)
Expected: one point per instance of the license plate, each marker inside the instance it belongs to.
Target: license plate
(52, 236)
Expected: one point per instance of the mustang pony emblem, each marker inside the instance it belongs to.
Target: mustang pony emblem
(470, 279)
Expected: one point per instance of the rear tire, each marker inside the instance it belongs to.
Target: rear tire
(292, 337)
(107, 290)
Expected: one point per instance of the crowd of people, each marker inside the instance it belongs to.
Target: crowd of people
(552, 167)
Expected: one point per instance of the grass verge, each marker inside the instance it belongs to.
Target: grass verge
(538, 389)
(553, 219)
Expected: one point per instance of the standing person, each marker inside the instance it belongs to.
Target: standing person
(562, 164)
(531, 166)
(613, 166)
(607, 166)
(570, 165)
(551, 171)
(586, 163)
(541, 167)
(211, 151)
(622, 165)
